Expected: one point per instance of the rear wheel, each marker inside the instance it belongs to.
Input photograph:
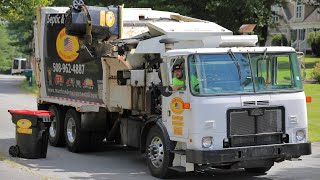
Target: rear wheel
(159, 158)
(56, 135)
(258, 170)
(76, 140)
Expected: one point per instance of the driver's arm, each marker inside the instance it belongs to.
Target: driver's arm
(177, 87)
(177, 84)
(194, 84)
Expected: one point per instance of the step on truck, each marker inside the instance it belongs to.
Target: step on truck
(107, 74)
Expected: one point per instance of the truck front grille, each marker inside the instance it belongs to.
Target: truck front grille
(255, 126)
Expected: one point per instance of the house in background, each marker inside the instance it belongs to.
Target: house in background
(295, 20)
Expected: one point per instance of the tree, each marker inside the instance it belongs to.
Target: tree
(230, 14)
(279, 40)
(19, 14)
(7, 52)
(12, 10)
(312, 2)
(313, 40)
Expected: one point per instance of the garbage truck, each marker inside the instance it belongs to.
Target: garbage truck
(107, 75)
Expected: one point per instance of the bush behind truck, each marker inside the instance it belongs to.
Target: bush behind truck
(106, 72)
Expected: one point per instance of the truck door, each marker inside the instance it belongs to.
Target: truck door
(174, 113)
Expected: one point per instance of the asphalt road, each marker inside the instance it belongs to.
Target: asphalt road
(111, 162)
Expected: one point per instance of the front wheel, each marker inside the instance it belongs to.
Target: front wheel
(258, 170)
(158, 156)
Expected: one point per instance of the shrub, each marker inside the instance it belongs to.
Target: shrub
(279, 40)
(313, 40)
(316, 72)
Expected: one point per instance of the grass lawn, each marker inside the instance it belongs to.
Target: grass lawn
(310, 62)
(32, 89)
(313, 90)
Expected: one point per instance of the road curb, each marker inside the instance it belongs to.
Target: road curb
(20, 165)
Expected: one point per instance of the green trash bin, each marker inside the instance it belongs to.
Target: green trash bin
(32, 133)
(28, 73)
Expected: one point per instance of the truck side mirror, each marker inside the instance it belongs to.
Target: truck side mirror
(166, 90)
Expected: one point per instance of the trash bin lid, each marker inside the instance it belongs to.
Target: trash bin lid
(39, 113)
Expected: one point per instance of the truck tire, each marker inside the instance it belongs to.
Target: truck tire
(258, 170)
(56, 134)
(76, 140)
(158, 155)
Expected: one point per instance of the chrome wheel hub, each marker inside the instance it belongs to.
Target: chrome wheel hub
(53, 128)
(71, 130)
(156, 152)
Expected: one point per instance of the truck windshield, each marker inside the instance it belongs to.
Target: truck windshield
(243, 73)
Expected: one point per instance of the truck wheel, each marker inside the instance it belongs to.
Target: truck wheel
(158, 155)
(56, 135)
(258, 170)
(76, 140)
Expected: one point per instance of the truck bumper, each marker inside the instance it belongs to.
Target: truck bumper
(278, 151)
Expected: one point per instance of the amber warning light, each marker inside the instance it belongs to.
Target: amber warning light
(186, 105)
(308, 99)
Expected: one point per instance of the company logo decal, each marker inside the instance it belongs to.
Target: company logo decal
(24, 123)
(67, 46)
(110, 18)
(23, 126)
(176, 105)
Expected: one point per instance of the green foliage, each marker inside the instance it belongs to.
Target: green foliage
(19, 15)
(230, 14)
(316, 72)
(87, 2)
(14, 10)
(313, 40)
(279, 40)
(7, 52)
(26, 86)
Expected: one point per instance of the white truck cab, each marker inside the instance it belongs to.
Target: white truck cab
(240, 104)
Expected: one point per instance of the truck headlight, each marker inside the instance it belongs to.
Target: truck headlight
(300, 135)
(207, 141)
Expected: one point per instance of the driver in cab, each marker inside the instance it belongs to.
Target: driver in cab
(178, 82)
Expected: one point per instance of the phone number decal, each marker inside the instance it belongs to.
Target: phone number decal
(68, 68)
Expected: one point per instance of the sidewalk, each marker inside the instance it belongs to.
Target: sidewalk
(12, 171)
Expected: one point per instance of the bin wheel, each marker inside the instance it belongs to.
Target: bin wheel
(14, 151)
(56, 135)
(76, 140)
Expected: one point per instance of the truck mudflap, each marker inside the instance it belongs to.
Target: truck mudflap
(229, 155)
